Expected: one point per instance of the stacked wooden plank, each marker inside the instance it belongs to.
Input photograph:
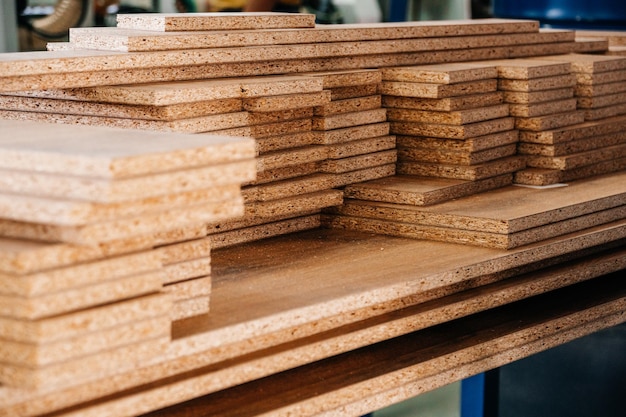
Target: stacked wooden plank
(561, 154)
(87, 217)
(615, 40)
(452, 129)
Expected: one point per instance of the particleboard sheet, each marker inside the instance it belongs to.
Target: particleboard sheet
(443, 104)
(453, 132)
(460, 117)
(177, 22)
(421, 191)
(462, 172)
(590, 63)
(475, 144)
(431, 90)
(408, 154)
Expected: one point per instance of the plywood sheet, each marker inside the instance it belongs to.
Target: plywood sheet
(462, 172)
(421, 191)
(214, 21)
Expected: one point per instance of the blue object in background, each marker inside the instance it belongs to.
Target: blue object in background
(575, 14)
(398, 10)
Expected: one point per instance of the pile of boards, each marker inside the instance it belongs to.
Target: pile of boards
(107, 229)
(103, 244)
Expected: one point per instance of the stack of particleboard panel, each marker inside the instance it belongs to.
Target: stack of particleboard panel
(291, 188)
(583, 149)
(84, 293)
(616, 40)
(474, 142)
(505, 218)
(198, 48)
(274, 110)
(353, 128)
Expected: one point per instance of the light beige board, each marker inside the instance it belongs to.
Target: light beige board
(128, 111)
(542, 176)
(574, 146)
(38, 355)
(286, 172)
(135, 40)
(591, 102)
(199, 69)
(190, 307)
(551, 121)
(177, 22)
(57, 211)
(347, 78)
(462, 172)
(107, 153)
(590, 63)
(426, 90)
(74, 61)
(579, 131)
(591, 45)
(286, 141)
(210, 123)
(87, 368)
(421, 191)
(366, 174)
(360, 147)
(537, 84)
(444, 104)
(618, 109)
(286, 101)
(345, 120)
(250, 219)
(86, 273)
(455, 157)
(92, 320)
(453, 132)
(600, 78)
(184, 290)
(512, 209)
(543, 109)
(524, 69)
(133, 188)
(268, 129)
(576, 160)
(475, 144)
(290, 157)
(183, 251)
(293, 206)
(349, 105)
(343, 93)
(295, 186)
(615, 37)
(185, 270)
(459, 117)
(47, 305)
(264, 231)
(535, 97)
(596, 90)
(348, 134)
(449, 73)
(359, 162)
(129, 227)
(193, 91)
